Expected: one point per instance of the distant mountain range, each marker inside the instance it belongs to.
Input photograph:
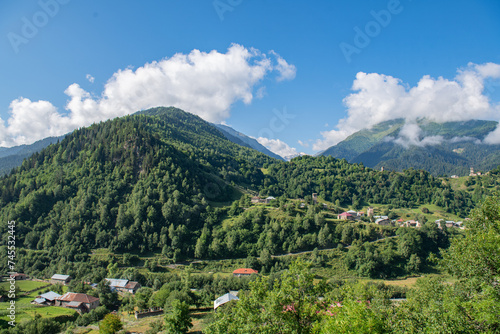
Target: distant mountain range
(440, 148)
(11, 157)
(243, 140)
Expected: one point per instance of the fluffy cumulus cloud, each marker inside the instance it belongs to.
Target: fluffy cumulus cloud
(203, 83)
(279, 147)
(379, 98)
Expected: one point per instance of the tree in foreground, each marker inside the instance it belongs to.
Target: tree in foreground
(472, 303)
(177, 319)
(110, 324)
(294, 304)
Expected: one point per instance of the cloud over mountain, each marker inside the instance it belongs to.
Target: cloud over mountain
(379, 98)
(279, 147)
(204, 83)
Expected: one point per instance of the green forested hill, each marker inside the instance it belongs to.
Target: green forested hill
(160, 181)
(138, 182)
(459, 149)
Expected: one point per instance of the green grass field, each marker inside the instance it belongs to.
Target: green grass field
(24, 285)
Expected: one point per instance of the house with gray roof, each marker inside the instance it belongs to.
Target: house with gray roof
(60, 279)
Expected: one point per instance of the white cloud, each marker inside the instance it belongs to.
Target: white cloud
(287, 71)
(279, 147)
(411, 134)
(203, 83)
(303, 144)
(90, 78)
(31, 121)
(379, 98)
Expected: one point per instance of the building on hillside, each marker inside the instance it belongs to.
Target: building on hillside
(81, 302)
(346, 216)
(48, 298)
(449, 223)
(412, 223)
(369, 212)
(224, 299)
(383, 221)
(123, 285)
(242, 272)
(315, 198)
(269, 199)
(60, 279)
(454, 176)
(256, 200)
(472, 173)
(19, 276)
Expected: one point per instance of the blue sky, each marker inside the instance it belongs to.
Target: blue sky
(44, 68)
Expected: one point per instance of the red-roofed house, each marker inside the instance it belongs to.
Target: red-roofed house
(346, 216)
(79, 301)
(244, 272)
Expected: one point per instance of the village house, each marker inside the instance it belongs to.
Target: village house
(48, 298)
(242, 272)
(256, 200)
(346, 216)
(412, 223)
(80, 302)
(60, 279)
(369, 212)
(383, 221)
(123, 285)
(19, 276)
(472, 173)
(269, 199)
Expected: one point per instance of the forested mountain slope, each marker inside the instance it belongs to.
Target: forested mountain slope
(343, 183)
(135, 183)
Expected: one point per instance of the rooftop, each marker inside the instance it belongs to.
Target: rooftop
(77, 297)
(246, 271)
(224, 299)
(60, 277)
(51, 295)
(119, 283)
